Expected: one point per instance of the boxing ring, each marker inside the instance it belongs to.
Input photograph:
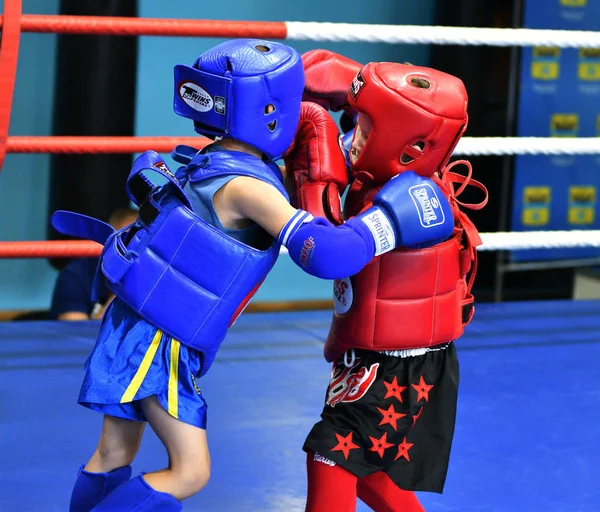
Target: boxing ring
(526, 436)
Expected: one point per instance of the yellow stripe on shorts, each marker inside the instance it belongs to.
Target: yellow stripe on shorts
(173, 400)
(140, 375)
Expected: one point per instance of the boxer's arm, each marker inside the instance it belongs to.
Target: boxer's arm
(250, 198)
(408, 211)
(342, 250)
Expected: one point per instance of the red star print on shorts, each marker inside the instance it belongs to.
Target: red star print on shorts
(393, 390)
(390, 416)
(344, 445)
(416, 416)
(422, 389)
(380, 445)
(403, 448)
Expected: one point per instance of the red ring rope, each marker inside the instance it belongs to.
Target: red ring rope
(50, 249)
(121, 26)
(80, 145)
(9, 52)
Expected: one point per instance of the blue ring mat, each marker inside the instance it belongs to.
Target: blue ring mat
(526, 436)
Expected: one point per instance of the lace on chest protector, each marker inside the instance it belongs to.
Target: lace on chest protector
(447, 179)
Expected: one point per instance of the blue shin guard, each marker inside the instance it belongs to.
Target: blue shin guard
(139, 496)
(91, 488)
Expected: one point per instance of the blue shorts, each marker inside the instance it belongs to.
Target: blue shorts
(132, 360)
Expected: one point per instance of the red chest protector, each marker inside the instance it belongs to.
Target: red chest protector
(409, 298)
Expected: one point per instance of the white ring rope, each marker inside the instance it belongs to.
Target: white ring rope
(518, 240)
(483, 145)
(422, 34)
(539, 240)
(528, 146)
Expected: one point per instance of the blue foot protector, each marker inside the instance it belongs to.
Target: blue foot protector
(91, 488)
(136, 495)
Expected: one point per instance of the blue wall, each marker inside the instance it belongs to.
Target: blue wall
(24, 178)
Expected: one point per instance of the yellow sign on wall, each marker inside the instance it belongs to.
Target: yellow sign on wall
(545, 63)
(588, 67)
(582, 205)
(573, 3)
(581, 215)
(537, 195)
(582, 194)
(536, 216)
(536, 210)
(564, 125)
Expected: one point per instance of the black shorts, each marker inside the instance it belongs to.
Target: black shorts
(391, 414)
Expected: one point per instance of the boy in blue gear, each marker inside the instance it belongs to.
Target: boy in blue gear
(205, 239)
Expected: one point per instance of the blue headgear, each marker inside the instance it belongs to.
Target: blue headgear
(229, 88)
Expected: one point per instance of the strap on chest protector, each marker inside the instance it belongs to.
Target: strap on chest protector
(116, 258)
(447, 181)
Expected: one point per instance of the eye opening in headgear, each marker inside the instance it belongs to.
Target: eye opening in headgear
(420, 83)
(405, 158)
(262, 48)
(269, 109)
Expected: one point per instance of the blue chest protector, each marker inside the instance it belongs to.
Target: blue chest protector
(171, 267)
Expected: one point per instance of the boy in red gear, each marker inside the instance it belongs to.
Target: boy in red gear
(388, 421)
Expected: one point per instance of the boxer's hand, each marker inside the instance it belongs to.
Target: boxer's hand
(317, 164)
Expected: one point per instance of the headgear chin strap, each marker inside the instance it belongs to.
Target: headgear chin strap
(248, 89)
(417, 117)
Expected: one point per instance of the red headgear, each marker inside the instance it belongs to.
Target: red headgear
(417, 117)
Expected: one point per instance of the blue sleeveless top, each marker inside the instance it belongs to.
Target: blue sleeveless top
(201, 199)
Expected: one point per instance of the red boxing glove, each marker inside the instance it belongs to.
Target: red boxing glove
(328, 76)
(317, 164)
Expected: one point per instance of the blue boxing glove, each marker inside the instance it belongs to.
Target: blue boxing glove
(408, 211)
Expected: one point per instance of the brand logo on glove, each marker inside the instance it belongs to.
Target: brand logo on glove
(357, 84)
(427, 204)
(385, 239)
(307, 251)
(195, 96)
